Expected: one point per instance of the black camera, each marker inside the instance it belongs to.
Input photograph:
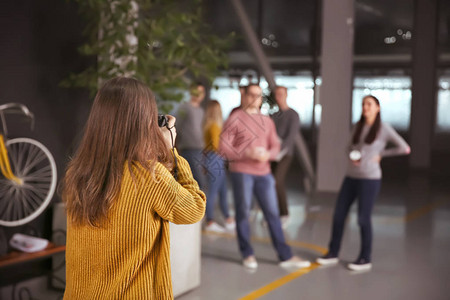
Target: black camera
(163, 121)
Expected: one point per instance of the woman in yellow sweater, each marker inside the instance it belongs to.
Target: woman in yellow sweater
(215, 168)
(121, 194)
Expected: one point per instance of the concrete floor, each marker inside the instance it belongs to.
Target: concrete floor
(411, 223)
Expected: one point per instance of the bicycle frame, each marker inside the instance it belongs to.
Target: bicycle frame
(5, 166)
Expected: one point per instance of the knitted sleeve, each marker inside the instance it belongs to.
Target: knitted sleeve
(182, 201)
(400, 145)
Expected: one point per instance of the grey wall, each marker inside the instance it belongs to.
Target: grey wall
(39, 47)
(39, 41)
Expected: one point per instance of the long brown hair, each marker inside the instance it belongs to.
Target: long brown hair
(373, 130)
(121, 129)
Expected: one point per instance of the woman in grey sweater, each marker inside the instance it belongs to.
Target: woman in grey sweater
(363, 180)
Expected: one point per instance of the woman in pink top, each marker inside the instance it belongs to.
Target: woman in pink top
(249, 141)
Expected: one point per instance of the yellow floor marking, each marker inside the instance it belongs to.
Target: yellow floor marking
(422, 211)
(283, 280)
(279, 282)
(415, 214)
(314, 247)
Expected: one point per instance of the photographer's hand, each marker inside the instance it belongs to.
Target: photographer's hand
(169, 132)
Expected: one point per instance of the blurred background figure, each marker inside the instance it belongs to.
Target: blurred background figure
(215, 169)
(287, 123)
(363, 180)
(249, 141)
(190, 141)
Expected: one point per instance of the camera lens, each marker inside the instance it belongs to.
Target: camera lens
(162, 120)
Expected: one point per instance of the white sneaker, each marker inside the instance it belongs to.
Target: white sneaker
(214, 227)
(230, 226)
(295, 262)
(250, 262)
(360, 265)
(327, 260)
(284, 221)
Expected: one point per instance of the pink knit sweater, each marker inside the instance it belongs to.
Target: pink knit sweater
(244, 131)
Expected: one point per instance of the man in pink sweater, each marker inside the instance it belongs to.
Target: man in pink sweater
(249, 141)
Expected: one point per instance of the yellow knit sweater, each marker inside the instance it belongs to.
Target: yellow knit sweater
(128, 257)
(211, 135)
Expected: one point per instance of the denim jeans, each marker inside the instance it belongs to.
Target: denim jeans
(216, 175)
(366, 190)
(263, 187)
(195, 159)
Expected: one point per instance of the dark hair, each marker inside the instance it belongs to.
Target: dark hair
(250, 85)
(373, 130)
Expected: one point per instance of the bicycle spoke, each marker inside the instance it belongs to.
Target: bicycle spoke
(35, 198)
(32, 201)
(3, 203)
(42, 172)
(35, 186)
(41, 157)
(37, 158)
(27, 209)
(16, 209)
(29, 154)
(41, 193)
(21, 153)
(7, 211)
(5, 185)
(37, 179)
(18, 206)
(13, 160)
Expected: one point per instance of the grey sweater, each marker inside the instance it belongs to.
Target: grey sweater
(369, 168)
(189, 127)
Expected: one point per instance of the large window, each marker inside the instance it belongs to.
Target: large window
(300, 94)
(443, 72)
(394, 93)
(443, 104)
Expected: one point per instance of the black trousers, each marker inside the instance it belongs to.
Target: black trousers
(366, 191)
(279, 171)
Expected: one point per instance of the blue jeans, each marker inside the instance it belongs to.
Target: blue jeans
(366, 190)
(217, 184)
(244, 186)
(194, 158)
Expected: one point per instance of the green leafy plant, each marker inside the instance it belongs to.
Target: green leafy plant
(165, 43)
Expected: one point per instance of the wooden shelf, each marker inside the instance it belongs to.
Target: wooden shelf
(16, 257)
